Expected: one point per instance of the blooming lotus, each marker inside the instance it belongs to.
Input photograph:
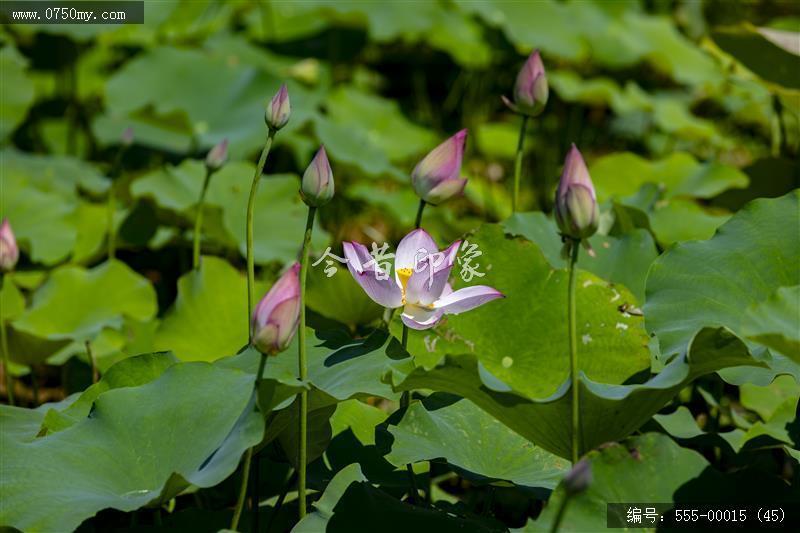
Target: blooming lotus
(9, 251)
(436, 178)
(420, 284)
(277, 315)
(576, 202)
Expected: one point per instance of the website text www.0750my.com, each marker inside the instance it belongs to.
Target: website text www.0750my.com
(66, 14)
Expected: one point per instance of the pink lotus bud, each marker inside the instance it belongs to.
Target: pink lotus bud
(217, 155)
(317, 187)
(127, 137)
(530, 89)
(436, 178)
(579, 478)
(278, 110)
(576, 204)
(277, 315)
(9, 252)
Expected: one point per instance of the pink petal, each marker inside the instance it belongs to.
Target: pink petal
(420, 318)
(412, 245)
(466, 299)
(384, 292)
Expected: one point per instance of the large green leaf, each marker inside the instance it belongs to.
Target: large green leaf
(525, 333)
(775, 322)
(17, 95)
(230, 105)
(650, 468)
(621, 259)
(123, 456)
(77, 303)
(680, 174)
(755, 50)
(470, 439)
(209, 319)
(711, 283)
(608, 412)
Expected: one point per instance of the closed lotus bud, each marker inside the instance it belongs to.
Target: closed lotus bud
(579, 478)
(278, 109)
(9, 252)
(317, 187)
(217, 156)
(277, 315)
(576, 204)
(530, 89)
(436, 178)
(127, 137)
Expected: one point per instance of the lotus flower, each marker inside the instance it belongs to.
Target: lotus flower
(317, 187)
(217, 155)
(436, 178)
(420, 284)
(278, 110)
(530, 89)
(576, 204)
(277, 315)
(579, 478)
(9, 252)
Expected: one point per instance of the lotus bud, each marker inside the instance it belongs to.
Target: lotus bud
(436, 178)
(217, 156)
(278, 110)
(317, 187)
(127, 137)
(9, 252)
(579, 478)
(576, 204)
(530, 89)
(277, 315)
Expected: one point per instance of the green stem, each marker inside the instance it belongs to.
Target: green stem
(405, 401)
(198, 221)
(251, 269)
(573, 354)
(248, 457)
(112, 203)
(4, 346)
(303, 366)
(518, 163)
(418, 220)
(560, 514)
(90, 356)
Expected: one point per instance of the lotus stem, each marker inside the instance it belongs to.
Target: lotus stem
(198, 221)
(303, 366)
(251, 269)
(4, 346)
(518, 163)
(405, 401)
(92, 363)
(248, 459)
(418, 220)
(573, 353)
(116, 166)
(560, 514)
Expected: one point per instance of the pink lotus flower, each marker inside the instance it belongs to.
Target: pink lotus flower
(576, 203)
(436, 178)
(420, 283)
(277, 315)
(9, 252)
(278, 109)
(531, 89)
